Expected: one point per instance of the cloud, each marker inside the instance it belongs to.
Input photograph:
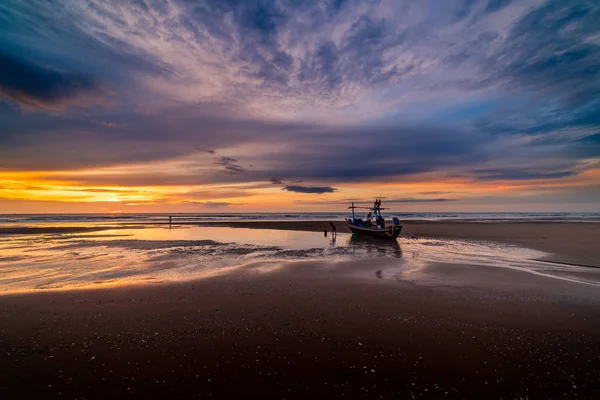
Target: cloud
(384, 201)
(329, 58)
(329, 92)
(424, 200)
(228, 164)
(208, 151)
(496, 5)
(39, 86)
(310, 189)
(215, 204)
(207, 204)
(108, 124)
(319, 154)
(548, 50)
(513, 174)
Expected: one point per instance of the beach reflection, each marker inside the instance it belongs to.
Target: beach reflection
(152, 255)
(375, 247)
(257, 237)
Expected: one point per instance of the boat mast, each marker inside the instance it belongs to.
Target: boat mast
(377, 209)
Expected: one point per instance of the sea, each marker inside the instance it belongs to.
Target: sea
(36, 219)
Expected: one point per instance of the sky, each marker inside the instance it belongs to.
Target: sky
(291, 105)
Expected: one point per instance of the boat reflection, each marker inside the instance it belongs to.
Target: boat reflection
(371, 246)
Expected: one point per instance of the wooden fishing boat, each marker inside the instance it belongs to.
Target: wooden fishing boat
(391, 232)
(374, 225)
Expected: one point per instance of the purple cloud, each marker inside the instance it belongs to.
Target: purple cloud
(310, 189)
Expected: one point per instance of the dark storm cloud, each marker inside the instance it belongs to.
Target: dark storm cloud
(310, 189)
(37, 85)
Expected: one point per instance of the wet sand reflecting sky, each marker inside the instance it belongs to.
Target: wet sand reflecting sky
(159, 254)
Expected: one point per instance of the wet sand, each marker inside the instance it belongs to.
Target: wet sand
(308, 331)
(41, 230)
(575, 243)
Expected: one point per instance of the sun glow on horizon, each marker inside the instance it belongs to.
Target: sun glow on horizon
(431, 191)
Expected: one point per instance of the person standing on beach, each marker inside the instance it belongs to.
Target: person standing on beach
(170, 219)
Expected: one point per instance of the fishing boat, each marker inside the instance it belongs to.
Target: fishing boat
(374, 225)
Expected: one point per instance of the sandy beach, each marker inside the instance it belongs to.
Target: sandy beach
(319, 327)
(324, 199)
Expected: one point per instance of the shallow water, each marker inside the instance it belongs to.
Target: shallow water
(161, 254)
(418, 254)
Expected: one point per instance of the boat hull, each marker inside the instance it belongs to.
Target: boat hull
(390, 233)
